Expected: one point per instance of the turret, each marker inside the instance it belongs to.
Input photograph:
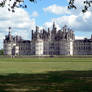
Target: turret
(9, 35)
(37, 29)
(37, 32)
(10, 47)
(65, 28)
(53, 24)
(66, 43)
(49, 33)
(48, 30)
(53, 33)
(7, 43)
(54, 27)
(32, 34)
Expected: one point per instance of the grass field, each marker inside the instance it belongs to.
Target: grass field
(46, 74)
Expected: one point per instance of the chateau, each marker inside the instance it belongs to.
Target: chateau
(48, 42)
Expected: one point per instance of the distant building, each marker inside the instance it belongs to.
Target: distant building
(48, 42)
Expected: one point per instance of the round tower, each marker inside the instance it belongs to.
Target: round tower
(66, 47)
(66, 43)
(8, 43)
(39, 47)
(7, 48)
(37, 44)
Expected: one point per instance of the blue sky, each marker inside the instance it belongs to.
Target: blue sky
(39, 5)
(48, 16)
(43, 13)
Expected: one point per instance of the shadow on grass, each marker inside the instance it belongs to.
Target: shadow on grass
(61, 81)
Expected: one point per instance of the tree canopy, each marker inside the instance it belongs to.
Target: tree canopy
(12, 4)
(21, 4)
(87, 5)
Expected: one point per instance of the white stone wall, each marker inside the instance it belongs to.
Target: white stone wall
(39, 47)
(16, 50)
(7, 48)
(66, 47)
(10, 48)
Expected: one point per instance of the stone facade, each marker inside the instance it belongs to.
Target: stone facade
(48, 42)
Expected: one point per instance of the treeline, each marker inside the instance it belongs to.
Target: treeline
(1, 52)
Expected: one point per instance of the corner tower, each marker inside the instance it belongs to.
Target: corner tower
(7, 43)
(66, 42)
(10, 47)
(37, 43)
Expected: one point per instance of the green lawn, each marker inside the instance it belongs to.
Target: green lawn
(67, 59)
(46, 74)
(42, 65)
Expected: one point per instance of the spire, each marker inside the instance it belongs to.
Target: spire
(54, 29)
(48, 30)
(32, 34)
(37, 28)
(9, 34)
(54, 25)
(9, 30)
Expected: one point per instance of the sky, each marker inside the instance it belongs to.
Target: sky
(43, 13)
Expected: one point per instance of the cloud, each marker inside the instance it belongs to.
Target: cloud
(78, 22)
(55, 9)
(20, 22)
(19, 19)
(73, 18)
(35, 14)
(59, 10)
(2, 36)
(79, 37)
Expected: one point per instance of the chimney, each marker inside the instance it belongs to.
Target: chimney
(53, 24)
(37, 28)
(32, 34)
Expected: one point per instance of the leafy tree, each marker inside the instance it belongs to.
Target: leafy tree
(1, 52)
(87, 4)
(21, 3)
(15, 3)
